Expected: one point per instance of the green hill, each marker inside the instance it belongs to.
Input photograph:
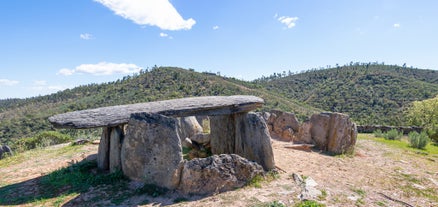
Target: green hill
(369, 93)
(26, 117)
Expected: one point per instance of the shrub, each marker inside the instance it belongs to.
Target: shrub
(393, 134)
(418, 140)
(433, 133)
(378, 133)
(424, 113)
(43, 139)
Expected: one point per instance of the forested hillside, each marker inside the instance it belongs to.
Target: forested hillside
(370, 93)
(26, 117)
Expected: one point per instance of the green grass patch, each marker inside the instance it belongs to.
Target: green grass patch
(39, 152)
(403, 144)
(410, 191)
(257, 180)
(76, 178)
(309, 203)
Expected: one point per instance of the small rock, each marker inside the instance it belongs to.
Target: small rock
(187, 143)
(420, 187)
(81, 141)
(353, 197)
(310, 182)
(308, 190)
(297, 178)
(433, 181)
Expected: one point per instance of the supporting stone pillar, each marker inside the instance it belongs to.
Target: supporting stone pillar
(223, 134)
(151, 150)
(116, 138)
(103, 152)
(245, 134)
(253, 140)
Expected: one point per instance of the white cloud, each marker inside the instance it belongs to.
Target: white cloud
(215, 27)
(102, 68)
(396, 25)
(162, 34)
(86, 36)
(65, 72)
(288, 21)
(160, 13)
(7, 82)
(42, 87)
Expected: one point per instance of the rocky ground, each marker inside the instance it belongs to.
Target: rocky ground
(377, 175)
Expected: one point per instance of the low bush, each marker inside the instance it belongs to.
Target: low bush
(378, 133)
(393, 134)
(433, 133)
(43, 139)
(418, 140)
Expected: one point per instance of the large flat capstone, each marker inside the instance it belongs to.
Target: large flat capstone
(195, 106)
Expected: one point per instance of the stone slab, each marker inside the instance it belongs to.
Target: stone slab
(118, 115)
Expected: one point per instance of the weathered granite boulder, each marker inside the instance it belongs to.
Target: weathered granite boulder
(333, 132)
(151, 150)
(188, 127)
(218, 173)
(5, 149)
(202, 138)
(283, 125)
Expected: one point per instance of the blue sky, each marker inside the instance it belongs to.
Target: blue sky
(50, 45)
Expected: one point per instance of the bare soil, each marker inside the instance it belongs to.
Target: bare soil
(376, 175)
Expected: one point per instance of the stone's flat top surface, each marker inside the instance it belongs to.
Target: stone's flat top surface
(116, 115)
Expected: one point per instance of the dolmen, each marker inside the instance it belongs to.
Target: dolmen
(142, 141)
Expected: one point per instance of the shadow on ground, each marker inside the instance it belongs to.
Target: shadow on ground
(88, 187)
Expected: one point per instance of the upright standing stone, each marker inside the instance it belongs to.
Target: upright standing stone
(333, 132)
(103, 151)
(116, 139)
(342, 134)
(151, 150)
(286, 125)
(320, 125)
(222, 134)
(304, 136)
(253, 140)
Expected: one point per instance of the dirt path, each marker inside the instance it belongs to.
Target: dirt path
(376, 176)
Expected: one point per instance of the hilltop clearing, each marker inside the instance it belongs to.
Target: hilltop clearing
(377, 175)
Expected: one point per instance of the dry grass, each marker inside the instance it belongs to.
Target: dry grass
(377, 168)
